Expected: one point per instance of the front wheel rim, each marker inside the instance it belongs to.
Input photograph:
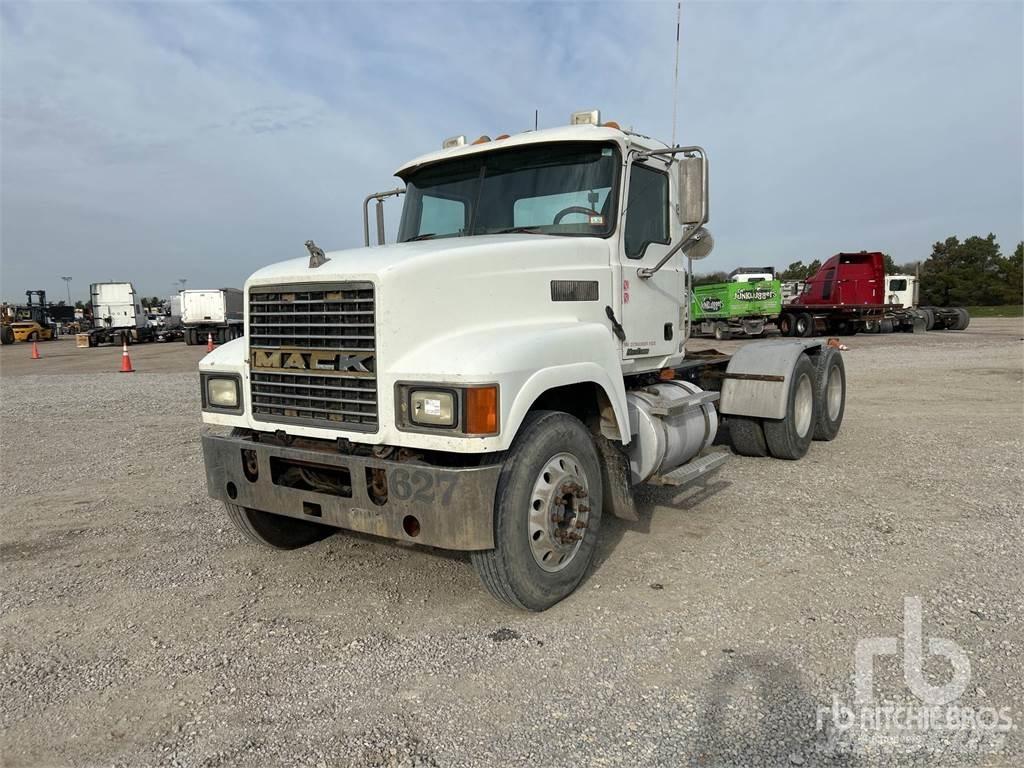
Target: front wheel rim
(559, 512)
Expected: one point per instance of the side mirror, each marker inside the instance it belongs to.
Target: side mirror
(700, 245)
(692, 186)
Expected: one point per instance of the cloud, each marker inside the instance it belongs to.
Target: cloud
(152, 142)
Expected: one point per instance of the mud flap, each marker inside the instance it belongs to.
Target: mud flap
(615, 476)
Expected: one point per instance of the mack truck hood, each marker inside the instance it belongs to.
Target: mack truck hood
(480, 253)
(431, 293)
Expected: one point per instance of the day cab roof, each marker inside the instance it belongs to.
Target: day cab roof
(569, 133)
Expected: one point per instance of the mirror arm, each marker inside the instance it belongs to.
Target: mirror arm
(379, 197)
(646, 272)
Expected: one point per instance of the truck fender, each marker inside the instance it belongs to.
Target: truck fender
(765, 399)
(226, 357)
(565, 375)
(528, 360)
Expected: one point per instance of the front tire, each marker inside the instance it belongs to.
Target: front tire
(547, 513)
(790, 437)
(275, 531)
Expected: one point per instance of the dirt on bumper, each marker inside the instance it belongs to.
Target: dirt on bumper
(446, 507)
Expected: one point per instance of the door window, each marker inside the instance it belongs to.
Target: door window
(826, 286)
(646, 210)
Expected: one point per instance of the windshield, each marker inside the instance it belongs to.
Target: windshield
(555, 189)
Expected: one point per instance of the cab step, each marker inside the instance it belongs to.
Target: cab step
(693, 471)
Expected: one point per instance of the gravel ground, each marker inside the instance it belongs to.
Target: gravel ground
(139, 629)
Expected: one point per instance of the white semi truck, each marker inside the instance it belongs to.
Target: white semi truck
(216, 313)
(500, 379)
(904, 291)
(117, 316)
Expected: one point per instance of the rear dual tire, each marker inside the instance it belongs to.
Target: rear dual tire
(830, 394)
(814, 411)
(789, 437)
(963, 319)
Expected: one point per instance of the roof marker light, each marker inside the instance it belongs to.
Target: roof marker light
(587, 117)
(482, 140)
(454, 141)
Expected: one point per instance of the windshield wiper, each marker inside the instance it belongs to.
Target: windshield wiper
(510, 230)
(424, 236)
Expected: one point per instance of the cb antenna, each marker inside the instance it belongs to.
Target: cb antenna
(675, 82)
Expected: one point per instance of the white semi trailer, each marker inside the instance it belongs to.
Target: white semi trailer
(214, 312)
(502, 378)
(117, 316)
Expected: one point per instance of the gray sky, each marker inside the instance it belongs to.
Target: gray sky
(152, 142)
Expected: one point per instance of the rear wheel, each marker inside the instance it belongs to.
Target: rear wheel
(963, 319)
(830, 393)
(885, 326)
(747, 436)
(786, 324)
(547, 513)
(929, 318)
(7, 335)
(790, 437)
(722, 332)
(803, 325)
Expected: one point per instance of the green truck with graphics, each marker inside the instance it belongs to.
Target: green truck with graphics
(722, 309)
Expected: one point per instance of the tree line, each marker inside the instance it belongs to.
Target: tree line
(972, 272)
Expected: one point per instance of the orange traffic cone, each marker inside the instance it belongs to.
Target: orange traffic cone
(209, 342)
(35, 351)
(126, 362)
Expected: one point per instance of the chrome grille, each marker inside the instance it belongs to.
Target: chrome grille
(312, 355)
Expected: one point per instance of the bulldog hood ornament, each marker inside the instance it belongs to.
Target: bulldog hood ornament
(317, 258)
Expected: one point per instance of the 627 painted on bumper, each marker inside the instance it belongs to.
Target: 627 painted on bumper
(447, 507)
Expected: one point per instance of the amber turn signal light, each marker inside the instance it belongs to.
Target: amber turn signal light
(482, 410)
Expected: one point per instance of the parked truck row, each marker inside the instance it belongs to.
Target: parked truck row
(849, 294)
(195, 316)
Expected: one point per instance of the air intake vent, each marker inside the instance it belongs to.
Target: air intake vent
(312, 352)
(574, 290)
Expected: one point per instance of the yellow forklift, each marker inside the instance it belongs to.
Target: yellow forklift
(30, 322)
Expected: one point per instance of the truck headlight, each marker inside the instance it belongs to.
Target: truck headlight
(432, 408)
(464, 411)
(222, 392)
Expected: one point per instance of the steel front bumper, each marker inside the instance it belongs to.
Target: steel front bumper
(447, 507)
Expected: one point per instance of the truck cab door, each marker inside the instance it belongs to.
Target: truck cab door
(651, 306)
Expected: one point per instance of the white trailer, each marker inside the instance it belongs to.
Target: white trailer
(117, 316)
(217, 312)
(507, 373)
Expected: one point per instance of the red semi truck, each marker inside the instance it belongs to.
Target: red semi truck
(849, 294)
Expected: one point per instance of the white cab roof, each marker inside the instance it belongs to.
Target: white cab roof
(547, 135)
